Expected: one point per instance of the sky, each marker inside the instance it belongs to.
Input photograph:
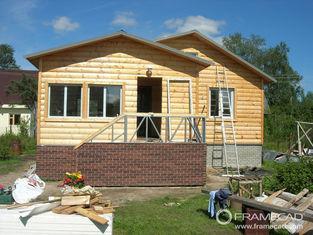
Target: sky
(34, 25)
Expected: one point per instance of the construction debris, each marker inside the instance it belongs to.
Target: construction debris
(285, 209)
(75, 200)
(27, 188)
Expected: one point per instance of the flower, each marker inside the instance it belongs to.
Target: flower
(74, 179)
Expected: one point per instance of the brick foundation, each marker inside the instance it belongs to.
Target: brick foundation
(127, 164)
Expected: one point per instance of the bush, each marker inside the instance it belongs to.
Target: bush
(28, 144)
(294, 176)
(5, 145)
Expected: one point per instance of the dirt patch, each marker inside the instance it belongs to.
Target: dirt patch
(8, 179)
(126, 194)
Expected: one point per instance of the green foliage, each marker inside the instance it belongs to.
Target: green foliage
(26, 88)
(286, 97)
(28, 145)
(24, 127)
(294, 176)
(7, 60)
(5, 145)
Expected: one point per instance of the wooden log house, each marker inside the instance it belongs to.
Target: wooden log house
(149, 109)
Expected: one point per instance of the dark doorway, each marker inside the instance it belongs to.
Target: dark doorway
(149, 99)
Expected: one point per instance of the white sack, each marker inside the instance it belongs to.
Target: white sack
(27, 189)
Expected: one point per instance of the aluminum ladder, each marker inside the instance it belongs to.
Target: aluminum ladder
(225, 104)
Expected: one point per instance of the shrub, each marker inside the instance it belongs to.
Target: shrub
(5, 145)
(24, 128)
(294, 176)
(28, 144)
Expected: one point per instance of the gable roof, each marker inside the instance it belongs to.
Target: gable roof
(34, 58)
(6, 76)
(223, 50)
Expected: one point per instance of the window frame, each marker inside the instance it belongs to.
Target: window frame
(232, 97)
(65, 100)
(104, 86)
(13, 118)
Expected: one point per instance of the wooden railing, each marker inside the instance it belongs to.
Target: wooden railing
(192, 128)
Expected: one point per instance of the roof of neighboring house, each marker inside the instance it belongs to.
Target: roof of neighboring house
(34, 58)
(222, 50)
(6, 76)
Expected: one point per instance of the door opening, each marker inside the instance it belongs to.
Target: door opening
(149, 99)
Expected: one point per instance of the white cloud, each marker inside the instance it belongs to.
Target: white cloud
(22, 12)
(63, 24)
(125, 18)
(205, 25)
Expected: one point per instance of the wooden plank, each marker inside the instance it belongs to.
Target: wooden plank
(296, 198)
(60, 209)
(99, 131)
(71, 209)
(307, 226)
(38, 132)
(91, 215)
(273, 196)
(302, 207)
(75, 200)
(288, 196)
(102, 210)
(271, 208)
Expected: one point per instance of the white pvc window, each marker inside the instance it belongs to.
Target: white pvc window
(227, 102)
(65, 100)
(104, 101)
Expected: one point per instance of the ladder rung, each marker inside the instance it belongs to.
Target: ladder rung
(228, 126)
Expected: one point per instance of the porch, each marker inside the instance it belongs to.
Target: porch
(151, 127)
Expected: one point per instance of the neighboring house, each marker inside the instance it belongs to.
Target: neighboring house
(12, 111)
(129, 111)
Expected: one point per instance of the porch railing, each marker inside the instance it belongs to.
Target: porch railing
(138, 127)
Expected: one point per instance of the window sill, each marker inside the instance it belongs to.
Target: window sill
(219, 119)
(79, 119)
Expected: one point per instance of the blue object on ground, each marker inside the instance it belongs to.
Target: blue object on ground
(211, 207)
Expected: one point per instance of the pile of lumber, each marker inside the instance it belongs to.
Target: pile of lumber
(86, 206)
(287, 204)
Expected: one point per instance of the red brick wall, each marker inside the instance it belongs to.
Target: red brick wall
(53, 161)
(130, 164)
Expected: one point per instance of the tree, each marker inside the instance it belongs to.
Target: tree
(26, 89)
(7, 60)
(286, 96)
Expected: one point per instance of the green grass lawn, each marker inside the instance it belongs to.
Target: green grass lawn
(11, 164)
(152, 217)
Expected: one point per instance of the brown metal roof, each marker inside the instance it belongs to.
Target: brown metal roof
(33, 58)
(223, 50)
(6, 76)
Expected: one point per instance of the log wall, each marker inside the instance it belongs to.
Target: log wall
(121, 61)
(248, 89)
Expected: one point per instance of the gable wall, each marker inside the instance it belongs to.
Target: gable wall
(119, 62)
(248, 91)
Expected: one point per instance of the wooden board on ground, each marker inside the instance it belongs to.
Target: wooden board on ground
(273, 196)
(296, 198)
(75, 200)
(91, 215)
